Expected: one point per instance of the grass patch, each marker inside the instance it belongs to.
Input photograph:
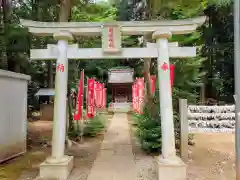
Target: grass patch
(12, 169)
(92, 127)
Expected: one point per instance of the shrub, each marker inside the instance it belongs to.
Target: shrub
(135, 119)
(148, 130)
(94, 126)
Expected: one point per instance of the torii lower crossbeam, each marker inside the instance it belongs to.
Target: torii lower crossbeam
(97, 53)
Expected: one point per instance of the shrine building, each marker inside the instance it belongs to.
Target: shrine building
(120, 82)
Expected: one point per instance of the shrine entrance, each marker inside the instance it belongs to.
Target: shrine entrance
(121, 93)
(120, 84)
(161, 49)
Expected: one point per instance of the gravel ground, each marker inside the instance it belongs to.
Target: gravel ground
(84, 156)
(146, 164)
(212, 158)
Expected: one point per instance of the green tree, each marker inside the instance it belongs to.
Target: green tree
(148, 125)
(219, 50)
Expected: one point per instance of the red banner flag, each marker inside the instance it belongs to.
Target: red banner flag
(79, 105)
(153, 84)
(90, 98)
(99, 94)
(171, 74)
(140, 83)
(135, 97)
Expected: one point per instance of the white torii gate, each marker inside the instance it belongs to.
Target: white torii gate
(59, 165)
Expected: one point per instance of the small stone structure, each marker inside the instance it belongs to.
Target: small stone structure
(13, 114)
(211, 118)
(208, 118)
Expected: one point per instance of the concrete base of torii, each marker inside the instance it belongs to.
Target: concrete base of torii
(175, 170)
(56, 170)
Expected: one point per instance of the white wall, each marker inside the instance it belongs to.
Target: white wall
(13, 114)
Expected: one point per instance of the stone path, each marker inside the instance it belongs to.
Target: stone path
(115, 160)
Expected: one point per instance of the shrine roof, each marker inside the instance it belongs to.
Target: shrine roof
(45, 92)
(120, 75)
(121, 69)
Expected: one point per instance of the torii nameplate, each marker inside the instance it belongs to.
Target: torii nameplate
(111, 38)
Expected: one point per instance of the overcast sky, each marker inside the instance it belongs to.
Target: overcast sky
(100, 0)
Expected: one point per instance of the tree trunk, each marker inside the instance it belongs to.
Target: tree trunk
(5, 19)
(65, 10)
(149, 100)
(50, 74)
(147, 65)
(3, 49)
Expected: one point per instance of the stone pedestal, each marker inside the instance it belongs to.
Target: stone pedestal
(172, 170)
(56, 170)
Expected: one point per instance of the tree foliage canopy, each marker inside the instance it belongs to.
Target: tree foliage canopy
(213, 66)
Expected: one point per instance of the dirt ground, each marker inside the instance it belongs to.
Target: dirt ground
(212, 157)
(26, 167)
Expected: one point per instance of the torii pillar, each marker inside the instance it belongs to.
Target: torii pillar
(170, 166)
(58, 166)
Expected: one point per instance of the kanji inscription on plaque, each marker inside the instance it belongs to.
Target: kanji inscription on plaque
(111, 38)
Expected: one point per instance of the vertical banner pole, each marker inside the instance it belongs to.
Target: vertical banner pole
(82, 117)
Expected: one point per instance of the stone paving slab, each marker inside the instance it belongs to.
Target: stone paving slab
(115, 160)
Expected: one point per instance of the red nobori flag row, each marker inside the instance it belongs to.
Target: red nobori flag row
(138, 90)
(95, 97)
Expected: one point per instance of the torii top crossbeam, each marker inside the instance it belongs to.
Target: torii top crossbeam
(127, 27)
